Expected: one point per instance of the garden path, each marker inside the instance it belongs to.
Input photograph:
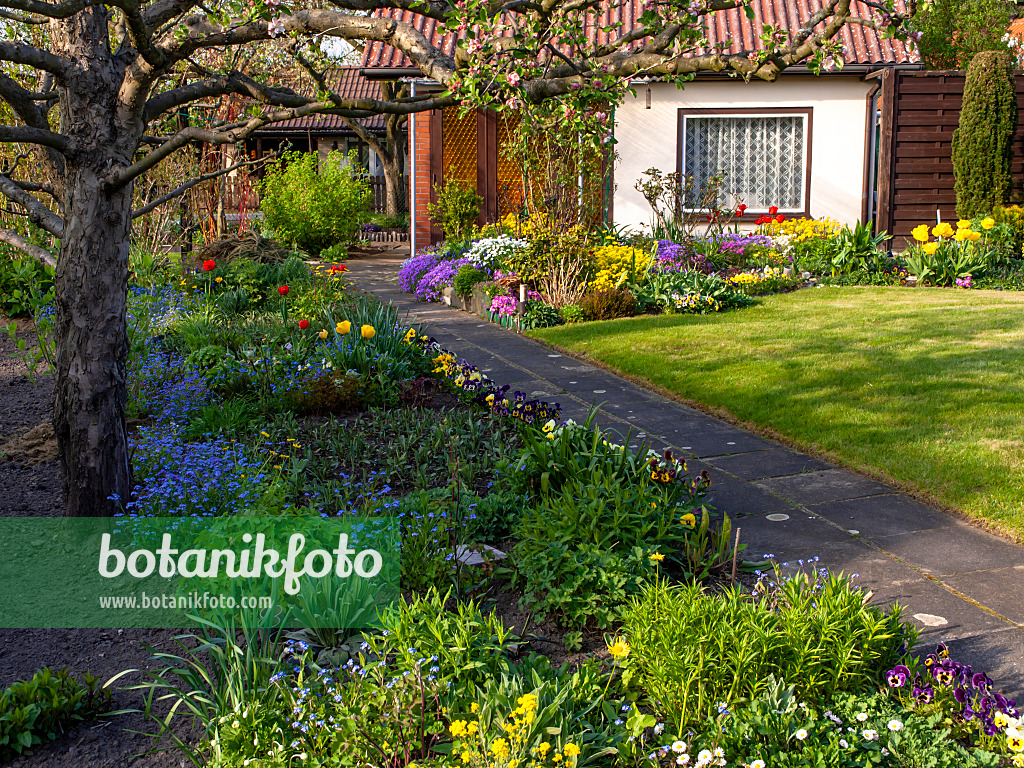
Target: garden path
(958, 583)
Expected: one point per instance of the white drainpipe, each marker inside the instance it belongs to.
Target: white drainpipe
(412, 174)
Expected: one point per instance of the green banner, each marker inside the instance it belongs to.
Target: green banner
(165, 572)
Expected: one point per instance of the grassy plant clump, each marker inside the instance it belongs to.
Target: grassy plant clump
(693, 651)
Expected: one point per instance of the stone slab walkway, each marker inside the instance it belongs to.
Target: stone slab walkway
(959, 584)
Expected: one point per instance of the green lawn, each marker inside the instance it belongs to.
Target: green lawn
(924, 387)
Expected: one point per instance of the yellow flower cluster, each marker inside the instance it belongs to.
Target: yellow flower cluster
(964, 232)
(803, 229)
(446, 364)
(511, 750)
(613, 264)
(753, 278)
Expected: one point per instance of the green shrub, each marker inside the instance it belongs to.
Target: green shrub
(1012, 217)
(336, 252)
(983, 140)
(540, 315)
(315, 204)
(25, 283)
(35, 711)
(608, 305)
(467, 277)
(572, 313)
(457, 209)
(692, 649)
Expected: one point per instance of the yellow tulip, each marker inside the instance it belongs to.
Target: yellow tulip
(323, 334)
(942, 229)
(368, 331)
(930, 248)
(343, 327)
(988, 223)
(975, 236)
(920, 233)
(961, 235)
(963, 224)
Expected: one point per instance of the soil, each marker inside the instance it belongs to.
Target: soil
(30, 487)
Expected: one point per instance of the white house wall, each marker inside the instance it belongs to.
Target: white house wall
(647, 138)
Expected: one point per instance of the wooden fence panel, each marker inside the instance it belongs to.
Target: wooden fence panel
(920, 111)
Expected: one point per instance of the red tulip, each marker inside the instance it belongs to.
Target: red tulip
(780, 218)
(742, 207)
(283, 290)
(209, 265)
(773, 210)
(303, 324)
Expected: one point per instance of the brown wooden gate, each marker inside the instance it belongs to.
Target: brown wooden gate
(919, 112)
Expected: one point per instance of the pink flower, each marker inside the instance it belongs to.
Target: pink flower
(513, 78)
(275, 27)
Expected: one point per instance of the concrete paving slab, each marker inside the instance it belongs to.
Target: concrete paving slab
(953, 550)
(775, 462)
(999, 654)
(792, 534)
(736, 497)
(887, 515)
(1001, 589)
(826, 485)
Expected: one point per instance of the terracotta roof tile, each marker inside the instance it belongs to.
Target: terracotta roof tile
(347, 82)
(863, 45)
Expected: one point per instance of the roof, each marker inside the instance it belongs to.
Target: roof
(863, 45)
(348, 83)
(1017, 28)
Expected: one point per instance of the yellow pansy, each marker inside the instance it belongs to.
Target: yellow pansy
(689, 520)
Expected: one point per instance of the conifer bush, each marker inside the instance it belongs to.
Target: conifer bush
(982, 142)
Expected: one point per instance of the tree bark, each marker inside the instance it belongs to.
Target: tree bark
(91, 282)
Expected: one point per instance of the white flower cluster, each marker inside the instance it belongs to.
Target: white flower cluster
(493, 252)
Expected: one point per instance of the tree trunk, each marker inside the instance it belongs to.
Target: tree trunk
(392, 185)
(91, 283)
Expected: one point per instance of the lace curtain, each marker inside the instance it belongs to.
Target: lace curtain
(762, 158)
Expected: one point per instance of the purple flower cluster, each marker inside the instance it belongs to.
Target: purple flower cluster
(673, 257)
(439, 277)
(504, 305)
(417, 266)
(972, 690)
(737, 245)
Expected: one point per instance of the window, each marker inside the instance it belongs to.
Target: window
(763, 154)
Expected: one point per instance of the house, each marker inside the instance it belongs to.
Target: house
(806, 144)
(329, 133)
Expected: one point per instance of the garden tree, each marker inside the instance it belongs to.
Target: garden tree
(89, 88)
(952, 31)
(983, 139)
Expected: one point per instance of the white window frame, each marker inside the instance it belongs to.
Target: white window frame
(806, 113)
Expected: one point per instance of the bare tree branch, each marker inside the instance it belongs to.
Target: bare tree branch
(23, 245)
(38, 213)
(191, 183)
(232, 82)
(30, 56)
(26, 134)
